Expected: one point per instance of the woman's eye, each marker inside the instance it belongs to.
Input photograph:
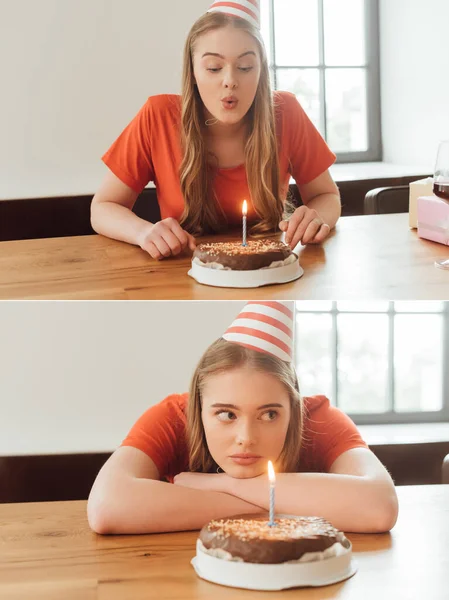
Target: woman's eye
(269, 415)
(218, 69)
(226, 416)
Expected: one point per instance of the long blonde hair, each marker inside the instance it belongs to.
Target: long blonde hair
(202, 212)
(224, 356)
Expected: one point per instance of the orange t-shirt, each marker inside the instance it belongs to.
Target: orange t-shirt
(149, 149)
(161, 433)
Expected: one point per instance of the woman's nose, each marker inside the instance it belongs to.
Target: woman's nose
(230, 79)
(245, 435)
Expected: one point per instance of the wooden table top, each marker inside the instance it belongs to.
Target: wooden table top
(366, 257)
(48, 552)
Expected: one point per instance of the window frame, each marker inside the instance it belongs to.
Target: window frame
(389, 417)
(371, 66)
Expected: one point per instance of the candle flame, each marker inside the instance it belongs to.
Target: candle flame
(245, 208)
(271, 475)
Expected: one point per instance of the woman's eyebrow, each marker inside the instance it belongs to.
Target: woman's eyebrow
(270, 405)
(221, 56)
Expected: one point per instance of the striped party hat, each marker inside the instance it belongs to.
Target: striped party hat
(246, 9)
(265, 327)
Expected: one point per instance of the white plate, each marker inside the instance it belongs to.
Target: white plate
(246, 279)
(274, 577)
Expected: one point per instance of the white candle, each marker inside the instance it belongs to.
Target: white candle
(244, 213)
(272, 479)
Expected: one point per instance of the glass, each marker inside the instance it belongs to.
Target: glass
(296, 33)
(265, 27)
(419, 306)
(305, 84)
(346, 106)
(344, 33)
(441, 185)
(363, 363)
(313, 305)
(373, 306)
(418, 363)
(313, 352)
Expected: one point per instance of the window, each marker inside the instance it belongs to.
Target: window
(326, 52)
(380, 362)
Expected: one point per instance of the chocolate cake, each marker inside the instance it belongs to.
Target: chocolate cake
(255, 541)
(257, 254)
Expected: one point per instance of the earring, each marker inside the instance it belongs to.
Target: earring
(220, 470)
(210, 122)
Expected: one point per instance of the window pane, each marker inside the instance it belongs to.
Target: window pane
(305, 84)
(314, 353)
(265, 26)
(363, 363)
(296, 32)
(346, 110)
(418, 362)
(374, 306)
(418, 306)
(344, 32)
(311, 305)
(272, 80)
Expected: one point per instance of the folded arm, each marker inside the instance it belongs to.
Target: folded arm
(127, 497)
(358, 494)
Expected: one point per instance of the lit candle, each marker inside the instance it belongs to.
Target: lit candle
(272, 479)
(244, 213)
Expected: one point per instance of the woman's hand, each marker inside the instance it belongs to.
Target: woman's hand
(305, 226)
(213, 482)
(165, 238)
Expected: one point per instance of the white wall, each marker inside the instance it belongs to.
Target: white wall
(414, 79)
(72, 75)
(74, 376)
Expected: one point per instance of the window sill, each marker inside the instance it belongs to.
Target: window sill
(376, 170)
(366, 171)
(373, 171)
(405, 433)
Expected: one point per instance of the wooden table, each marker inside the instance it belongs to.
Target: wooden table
(48, 552)
(367, 257)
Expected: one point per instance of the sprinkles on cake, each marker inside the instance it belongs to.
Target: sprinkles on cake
(236, 248)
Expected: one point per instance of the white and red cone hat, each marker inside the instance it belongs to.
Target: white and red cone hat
(245, 9)
(265, 327)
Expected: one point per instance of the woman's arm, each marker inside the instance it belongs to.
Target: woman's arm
(112, 216)
(128, 498)
(322, 195)
(111, 211)
(312, 222)
(358, 494)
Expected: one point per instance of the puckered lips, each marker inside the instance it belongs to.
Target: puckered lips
(230, 102)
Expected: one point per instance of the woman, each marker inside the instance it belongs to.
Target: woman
(203, 455)
(225, 139)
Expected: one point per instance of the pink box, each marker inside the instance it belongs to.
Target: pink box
(433, 219)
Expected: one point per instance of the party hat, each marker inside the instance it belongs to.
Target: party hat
(265, 327)
(245, 9)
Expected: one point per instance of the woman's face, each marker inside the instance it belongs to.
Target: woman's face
(245, 412)
(226, 66)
